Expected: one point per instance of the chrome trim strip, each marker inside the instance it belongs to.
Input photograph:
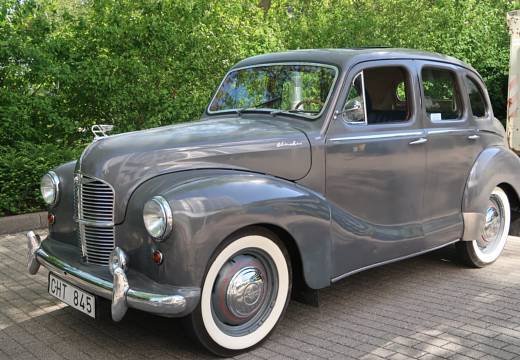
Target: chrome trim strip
(379, 136)
(338, 278)
(365, 115)
(365, 112)
(83, 153)
(449, 131)
(463, 119)
(104, 224)
(486, 131)
(335, 68)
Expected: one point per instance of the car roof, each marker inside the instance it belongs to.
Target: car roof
(344, 57)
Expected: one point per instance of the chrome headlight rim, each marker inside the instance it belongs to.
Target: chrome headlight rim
(167, 215)
(55, 181)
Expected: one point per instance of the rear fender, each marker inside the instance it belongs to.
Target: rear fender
(494, 166)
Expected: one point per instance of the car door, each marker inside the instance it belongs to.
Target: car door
(452, 148)
(376, 167)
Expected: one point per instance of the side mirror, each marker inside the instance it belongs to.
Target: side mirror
(352, 105)
(354, 112)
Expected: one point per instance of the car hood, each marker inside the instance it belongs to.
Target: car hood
(265, 146)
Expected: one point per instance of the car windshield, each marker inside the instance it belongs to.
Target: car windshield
(301, 89)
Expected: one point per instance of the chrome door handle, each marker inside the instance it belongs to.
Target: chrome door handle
(474, 137)
(419, 141)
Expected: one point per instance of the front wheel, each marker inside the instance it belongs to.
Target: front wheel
(245, 293)
(492, 240)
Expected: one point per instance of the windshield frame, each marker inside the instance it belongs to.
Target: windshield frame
(269, 110)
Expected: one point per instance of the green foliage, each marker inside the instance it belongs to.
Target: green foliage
(474, 31)
(67, 64)
(21, 169)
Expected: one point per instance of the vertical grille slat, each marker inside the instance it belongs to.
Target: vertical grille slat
(94, 212)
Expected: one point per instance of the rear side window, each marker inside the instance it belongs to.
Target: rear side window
(441, 94)
(476, 98)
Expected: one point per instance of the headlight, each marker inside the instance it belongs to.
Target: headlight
(157, 216)
(49, 187)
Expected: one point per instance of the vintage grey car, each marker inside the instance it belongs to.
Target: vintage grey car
(307, 166)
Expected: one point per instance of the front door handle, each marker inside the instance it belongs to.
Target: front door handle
(474, 137)
(419, 141)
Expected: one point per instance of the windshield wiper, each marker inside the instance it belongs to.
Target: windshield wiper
(271, 100)
(249, 109)
(257, 106)
(274, 112)
(292, 112)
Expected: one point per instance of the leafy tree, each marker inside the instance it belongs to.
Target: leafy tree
(68, 64)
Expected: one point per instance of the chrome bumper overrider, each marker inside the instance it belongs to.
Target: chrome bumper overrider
(165, 300)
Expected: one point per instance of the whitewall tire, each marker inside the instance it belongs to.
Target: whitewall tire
(491, 242)
(244, 294)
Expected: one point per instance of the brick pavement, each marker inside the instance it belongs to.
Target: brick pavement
(428, 307)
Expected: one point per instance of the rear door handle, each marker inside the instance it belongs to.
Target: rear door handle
(474, 137)
(419, 141)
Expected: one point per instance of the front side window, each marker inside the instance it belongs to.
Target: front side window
(441, 95)
(379, 96)
(298, 89)
(476, 98)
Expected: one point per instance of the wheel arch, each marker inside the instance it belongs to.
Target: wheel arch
(298, 280)
(495, 166)
(292, 247)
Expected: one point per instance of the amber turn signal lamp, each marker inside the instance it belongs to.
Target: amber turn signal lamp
(51, 218)
(157, 257)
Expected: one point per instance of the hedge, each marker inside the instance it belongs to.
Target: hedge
(65, 65)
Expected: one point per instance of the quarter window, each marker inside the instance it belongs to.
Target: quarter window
(354, 110)
(441, 95)
(379, 96)
(476, 98)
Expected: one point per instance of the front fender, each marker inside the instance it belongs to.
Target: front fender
(210, 205)
(494, 166)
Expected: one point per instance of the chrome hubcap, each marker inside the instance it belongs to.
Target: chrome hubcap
(494, 225)
(245, 291)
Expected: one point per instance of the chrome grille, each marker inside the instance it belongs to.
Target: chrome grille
(94, 212)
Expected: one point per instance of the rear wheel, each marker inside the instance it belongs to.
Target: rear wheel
(245, 293)
(492, 240)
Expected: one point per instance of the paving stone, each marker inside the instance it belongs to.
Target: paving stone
(429, 307)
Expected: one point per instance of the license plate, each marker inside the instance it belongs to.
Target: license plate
(72, 296)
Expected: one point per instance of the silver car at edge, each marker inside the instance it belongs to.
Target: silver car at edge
(306, 167)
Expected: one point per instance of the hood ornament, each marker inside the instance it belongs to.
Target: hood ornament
(100, 131)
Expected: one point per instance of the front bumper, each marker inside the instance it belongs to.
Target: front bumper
(125, 288)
